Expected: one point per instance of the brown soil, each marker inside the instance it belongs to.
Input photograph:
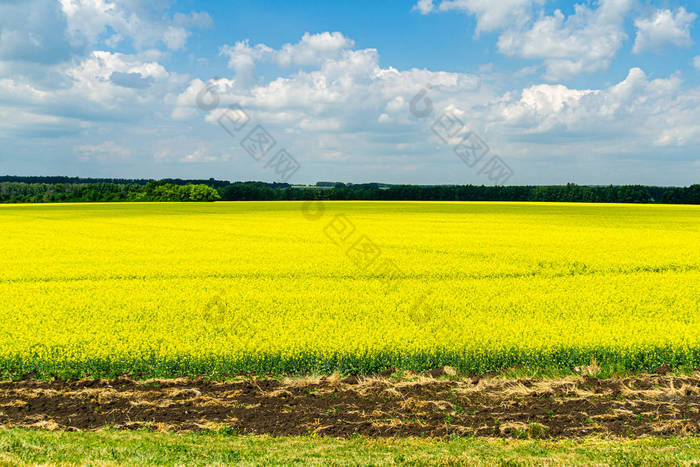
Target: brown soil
(375, 406)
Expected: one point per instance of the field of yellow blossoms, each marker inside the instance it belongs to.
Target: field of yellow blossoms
(161, 289)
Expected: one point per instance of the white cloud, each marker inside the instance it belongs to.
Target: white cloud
(696, 62)
(143, 22)
(352, 112)
(424, 6)
(312, 49)
(103, 87)
(663, 27)
(547, 99)
(636, 111)
(97, 71)
(339, 111)
(491, 15)
(353, 94)
(242, 58)
(583, 42)
(202, 154)
(346, 88)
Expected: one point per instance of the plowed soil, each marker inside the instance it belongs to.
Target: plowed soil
(373, 406)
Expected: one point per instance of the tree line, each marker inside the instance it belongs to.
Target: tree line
(21, 192)
(31, 190)
(251, 191)
(117, 181)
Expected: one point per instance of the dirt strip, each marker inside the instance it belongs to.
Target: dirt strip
(374, 406)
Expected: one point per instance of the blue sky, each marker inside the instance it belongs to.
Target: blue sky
(591, 92)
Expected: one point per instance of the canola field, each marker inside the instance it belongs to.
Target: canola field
(171, 289)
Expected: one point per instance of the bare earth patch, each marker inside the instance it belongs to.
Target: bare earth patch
(374, 406)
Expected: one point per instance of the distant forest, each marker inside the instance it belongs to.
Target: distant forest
(16, 189)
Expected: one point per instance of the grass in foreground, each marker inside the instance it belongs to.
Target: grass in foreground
(18, 446)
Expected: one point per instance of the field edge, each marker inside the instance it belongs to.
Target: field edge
(23, 446)
(53, 363)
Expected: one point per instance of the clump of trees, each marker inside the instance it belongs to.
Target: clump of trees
(162, 191)
(20, 192)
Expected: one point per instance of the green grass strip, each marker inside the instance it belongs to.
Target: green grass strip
(22, 447)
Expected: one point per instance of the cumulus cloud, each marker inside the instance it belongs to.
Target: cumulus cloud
(424, 6)
(490, 15)
(145, 23)
(203, 154)
(351, 110)
(637, 110)
(242, 58)
(333, 105)
(663, 27)
(103, 87)
(343, 90)
(312, 49)
(583, 42)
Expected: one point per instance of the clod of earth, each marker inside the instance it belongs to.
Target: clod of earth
(442, 371)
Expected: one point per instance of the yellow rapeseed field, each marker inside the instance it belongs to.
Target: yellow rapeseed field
(161, 289)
